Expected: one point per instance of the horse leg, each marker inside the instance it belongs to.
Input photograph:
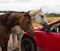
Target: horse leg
(19, 37)
(19, 32)
(18, 48)
(4, 46)
(13, 38)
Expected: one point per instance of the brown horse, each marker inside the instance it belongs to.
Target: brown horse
(11, 19)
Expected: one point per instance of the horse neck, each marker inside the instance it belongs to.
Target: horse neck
(6, 21)
(12, 22)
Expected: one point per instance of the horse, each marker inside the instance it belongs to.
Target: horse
(36, 15)
(11, 19)
(39, 16)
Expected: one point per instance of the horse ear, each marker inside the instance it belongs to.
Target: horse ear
(30, 12)
(40, 9)
(27, 15)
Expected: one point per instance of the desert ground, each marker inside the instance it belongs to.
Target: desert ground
(35, 24)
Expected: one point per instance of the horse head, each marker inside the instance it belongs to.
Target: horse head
(39, 17)
(23, 20)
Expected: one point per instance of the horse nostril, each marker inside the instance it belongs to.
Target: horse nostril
(42, 16)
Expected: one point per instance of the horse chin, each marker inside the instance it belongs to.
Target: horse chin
(45, 25)
(30, 34)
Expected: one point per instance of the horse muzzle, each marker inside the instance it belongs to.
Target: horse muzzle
(31, 34)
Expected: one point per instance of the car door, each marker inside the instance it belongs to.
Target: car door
(51, 40)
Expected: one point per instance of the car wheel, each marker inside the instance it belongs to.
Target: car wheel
(28, 44)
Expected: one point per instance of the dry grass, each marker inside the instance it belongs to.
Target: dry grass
(52, 18)
(49, 19)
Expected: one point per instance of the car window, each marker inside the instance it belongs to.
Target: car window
(55, 28)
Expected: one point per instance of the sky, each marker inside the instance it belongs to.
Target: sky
(47, 6)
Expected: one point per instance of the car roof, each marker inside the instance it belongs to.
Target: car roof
(51, 23)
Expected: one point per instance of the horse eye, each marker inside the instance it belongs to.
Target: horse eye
(42, 16)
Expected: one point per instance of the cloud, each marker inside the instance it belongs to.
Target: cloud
(25, 5)
(18, 7)
(9, 1)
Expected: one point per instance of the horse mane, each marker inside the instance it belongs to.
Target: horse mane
(26, 14)
(4, 18)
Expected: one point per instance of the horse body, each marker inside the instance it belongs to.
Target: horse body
(4, 35)
(9, 20)
(4, 32)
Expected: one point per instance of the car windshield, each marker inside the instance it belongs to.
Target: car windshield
(55, 28)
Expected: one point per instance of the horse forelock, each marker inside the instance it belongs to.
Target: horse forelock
(28, 15)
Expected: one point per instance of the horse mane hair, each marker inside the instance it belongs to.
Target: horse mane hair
(4, 18)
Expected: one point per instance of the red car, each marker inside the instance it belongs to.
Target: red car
(43, 40)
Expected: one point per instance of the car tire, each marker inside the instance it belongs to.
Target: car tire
(28, 44)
